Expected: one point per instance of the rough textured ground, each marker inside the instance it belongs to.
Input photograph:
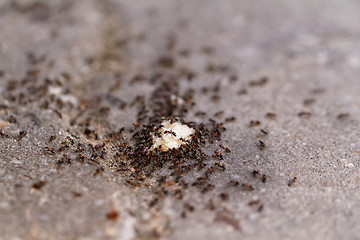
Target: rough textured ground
(70, 71)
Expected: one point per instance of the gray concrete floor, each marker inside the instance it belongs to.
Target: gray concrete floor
(64, 64)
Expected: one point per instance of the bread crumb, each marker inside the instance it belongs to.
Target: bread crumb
(171, 135)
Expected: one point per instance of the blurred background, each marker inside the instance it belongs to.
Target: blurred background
(282, 76)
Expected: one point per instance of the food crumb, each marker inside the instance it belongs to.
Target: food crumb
(171, 135)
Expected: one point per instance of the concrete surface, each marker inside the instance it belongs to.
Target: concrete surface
(67, 71)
